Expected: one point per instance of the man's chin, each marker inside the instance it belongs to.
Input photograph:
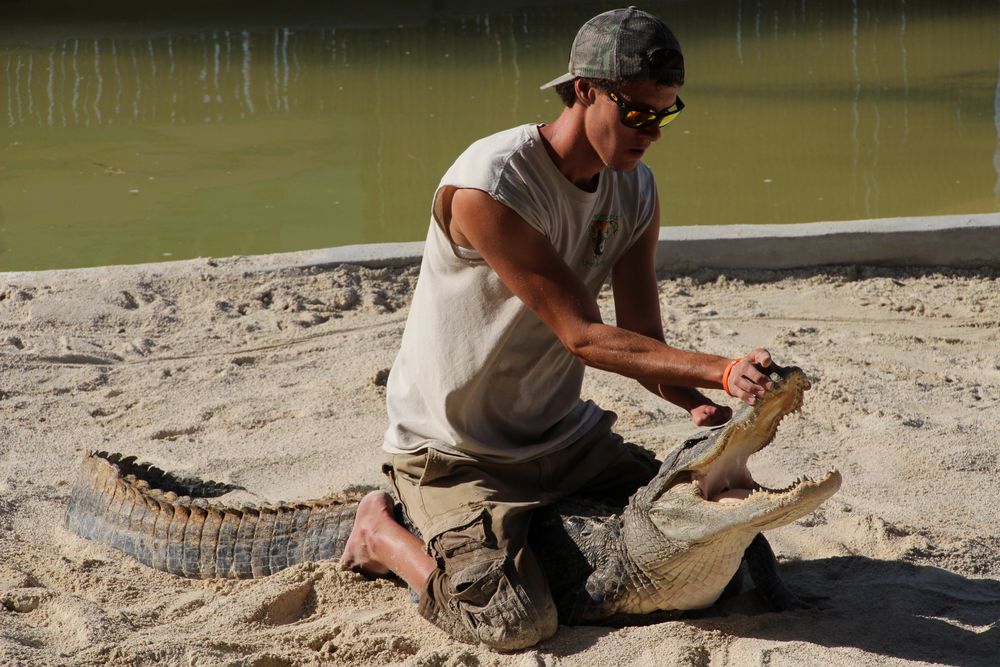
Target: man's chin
(625, 166)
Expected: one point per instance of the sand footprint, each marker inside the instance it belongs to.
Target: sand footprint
(125, 300)
(16, 342)
(288, 605)
(272, 602)
(173, 433)
(72, 621)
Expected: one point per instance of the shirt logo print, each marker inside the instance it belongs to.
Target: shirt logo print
(602, 228)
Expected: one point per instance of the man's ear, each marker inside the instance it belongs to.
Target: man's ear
(586, 94)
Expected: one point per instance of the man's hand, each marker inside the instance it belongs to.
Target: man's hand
(746, 380)
(711, 415)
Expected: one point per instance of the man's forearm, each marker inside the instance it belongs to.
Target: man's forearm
(686, 398)
(646, 359)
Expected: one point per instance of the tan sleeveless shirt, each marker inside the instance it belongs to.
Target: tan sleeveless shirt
(478, 372)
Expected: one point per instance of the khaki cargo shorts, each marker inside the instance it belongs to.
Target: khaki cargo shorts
(474, 517)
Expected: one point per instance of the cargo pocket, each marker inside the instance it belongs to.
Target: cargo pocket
(459, 536)
(477, 583)
(438, 465)
(496, 609)
(482, 591)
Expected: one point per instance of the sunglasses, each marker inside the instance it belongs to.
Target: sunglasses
(639, 118)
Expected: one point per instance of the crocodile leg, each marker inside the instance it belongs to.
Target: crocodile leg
(763, 567)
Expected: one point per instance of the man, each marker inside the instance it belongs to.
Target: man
(486, 419)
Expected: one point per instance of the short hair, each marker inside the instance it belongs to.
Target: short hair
(567, 89)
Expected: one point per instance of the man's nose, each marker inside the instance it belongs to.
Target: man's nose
(652, 132)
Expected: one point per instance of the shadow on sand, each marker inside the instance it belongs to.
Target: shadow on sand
(887, 608)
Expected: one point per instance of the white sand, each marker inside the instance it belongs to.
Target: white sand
(267, 380)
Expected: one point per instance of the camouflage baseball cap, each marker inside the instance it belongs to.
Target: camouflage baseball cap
(624, 44)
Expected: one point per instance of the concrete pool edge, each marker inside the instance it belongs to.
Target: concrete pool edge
(959, 241)
(956, 241)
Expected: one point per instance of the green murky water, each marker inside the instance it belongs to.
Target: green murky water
(214, 128)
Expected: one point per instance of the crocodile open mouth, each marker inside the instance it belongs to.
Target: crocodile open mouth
(706, 490)
(733, 496)
(721, 475)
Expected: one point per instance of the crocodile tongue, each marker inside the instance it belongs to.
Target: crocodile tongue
(731, 496)
(727, 478)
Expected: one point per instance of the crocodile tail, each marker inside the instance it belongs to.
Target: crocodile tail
(114, 502)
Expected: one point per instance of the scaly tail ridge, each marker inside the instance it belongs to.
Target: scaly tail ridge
(169, 523)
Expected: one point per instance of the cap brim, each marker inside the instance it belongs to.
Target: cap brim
(555, 82)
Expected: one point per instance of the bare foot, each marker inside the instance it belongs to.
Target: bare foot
(710, 414)
(375, 509)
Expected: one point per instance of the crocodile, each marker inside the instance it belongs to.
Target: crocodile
(680, 541)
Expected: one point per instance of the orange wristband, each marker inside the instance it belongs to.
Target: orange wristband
(725, 376)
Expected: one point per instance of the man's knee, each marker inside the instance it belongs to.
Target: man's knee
(488, 587)
(485, 603)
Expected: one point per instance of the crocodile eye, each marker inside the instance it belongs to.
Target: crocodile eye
(691, 442)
